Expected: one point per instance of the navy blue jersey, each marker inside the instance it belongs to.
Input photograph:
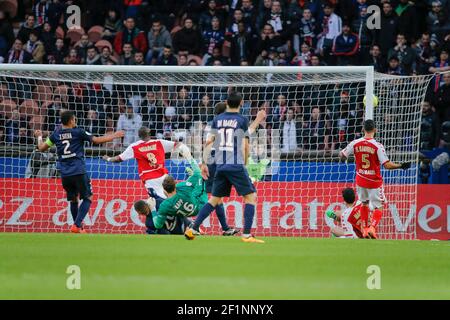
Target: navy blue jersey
(70, 149)
(230, 130)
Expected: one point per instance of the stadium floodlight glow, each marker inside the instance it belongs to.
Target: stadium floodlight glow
(312, 113)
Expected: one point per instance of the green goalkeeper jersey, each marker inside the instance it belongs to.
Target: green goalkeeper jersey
(189, 198)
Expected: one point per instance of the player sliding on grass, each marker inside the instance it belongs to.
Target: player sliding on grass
(349, 218)
(230, 137)
(69, 141)
(369, 155)
(184, 199)
(150, 157)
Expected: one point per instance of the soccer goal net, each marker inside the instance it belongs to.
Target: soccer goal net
(312, 113)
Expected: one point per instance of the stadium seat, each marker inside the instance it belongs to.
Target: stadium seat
(95, 33)
(74, 34)
(29, 107)
(9, 6)
(103, 43)
(6, 107)
(59, 32)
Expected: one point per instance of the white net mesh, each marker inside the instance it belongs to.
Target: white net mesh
(311, 116)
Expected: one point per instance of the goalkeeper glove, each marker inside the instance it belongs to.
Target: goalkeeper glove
(189, 171)
(405, 165)
(331, 214)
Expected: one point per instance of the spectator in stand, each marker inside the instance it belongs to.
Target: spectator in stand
(35, 47)
(290, 132)
(54, 109)
(93, 58)
(185, 109)
(83, 46)
(151, 112)
(376, 60)
(249, 13)
(233, 24)
(407, 20)
(126, 58)
(138, 59)
(17, 54)
(304, 57)
(216, 55)
(268, 39)
(265, 8)
(205, 110)
(425, 54)
(429, 135)
(394, 67)
(208, 15)
(158, 38)
(112, 25)
(129, 122)
(188, 40)
(167, 58)
(315, 61)
(442, 65)
(365, 35)
(278, 112)
(305, 30)
(212, 37)
(24, 135)
(130, 34)
(12, 126)
(442, 100)
(278, 20)
(72, 58)
(183, 60)
(331, 28)
(28, 26)
(48, 38)
(6, 34)
(106, 57)
(241, 47)
(267, 58)
(94, 124)
(405, 54)
(346, 46)
(438, 19)
(314, 131)
(386, 35)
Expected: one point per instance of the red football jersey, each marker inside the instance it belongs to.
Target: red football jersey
(369, 157)
(150, 157)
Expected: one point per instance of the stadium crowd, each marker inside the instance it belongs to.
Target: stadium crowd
(414, 39)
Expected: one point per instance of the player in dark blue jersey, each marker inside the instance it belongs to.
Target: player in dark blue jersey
(69, 141)
(231, 143)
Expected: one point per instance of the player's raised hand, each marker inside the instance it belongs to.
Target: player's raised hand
(38, 133)
(105, 157)
(205, 171)
(119, 134)
(261, 115)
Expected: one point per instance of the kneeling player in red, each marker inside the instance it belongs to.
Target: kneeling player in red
(349, 218)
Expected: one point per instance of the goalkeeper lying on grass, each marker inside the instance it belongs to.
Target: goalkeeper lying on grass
(184, 199)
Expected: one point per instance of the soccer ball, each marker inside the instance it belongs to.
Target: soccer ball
(374, 99)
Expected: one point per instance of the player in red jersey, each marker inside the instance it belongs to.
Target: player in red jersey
(349, 218)
(369, 157)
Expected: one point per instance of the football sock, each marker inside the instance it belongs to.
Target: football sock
(220, 212)
(376, 217)
(249, 213)
(82, 212)
(202, 215)
(74, 210)
(364, 216)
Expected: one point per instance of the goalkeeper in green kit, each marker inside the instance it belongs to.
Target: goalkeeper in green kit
(184, 199)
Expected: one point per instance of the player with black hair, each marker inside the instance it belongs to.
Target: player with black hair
(369, 156)
(69, 141)
(349, 218)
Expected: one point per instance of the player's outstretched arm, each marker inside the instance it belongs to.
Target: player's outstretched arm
(108, 137)
(260, 116)
(184, 151)
(42, 146)
(392, 165)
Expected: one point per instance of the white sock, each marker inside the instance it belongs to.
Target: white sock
(246, 235)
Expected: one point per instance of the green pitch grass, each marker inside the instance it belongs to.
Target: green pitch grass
(170, 267)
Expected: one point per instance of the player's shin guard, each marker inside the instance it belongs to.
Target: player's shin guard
(220, 212)
(82, 212)
(249, 213)
(74, 210)
(364, 216)
(202, 215)
(376, 217)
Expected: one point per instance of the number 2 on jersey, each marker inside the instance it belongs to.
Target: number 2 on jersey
(66, 148)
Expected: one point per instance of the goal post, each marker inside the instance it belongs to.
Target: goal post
(313, 112)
